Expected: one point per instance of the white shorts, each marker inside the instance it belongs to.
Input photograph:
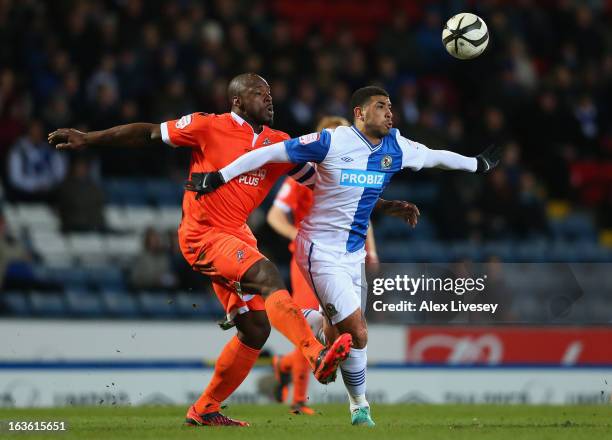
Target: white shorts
(337, 278)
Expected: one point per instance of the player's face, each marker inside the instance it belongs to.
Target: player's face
(257, 103)
(377, 116)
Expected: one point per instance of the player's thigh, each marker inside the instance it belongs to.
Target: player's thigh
(332, 283)
(226, 258)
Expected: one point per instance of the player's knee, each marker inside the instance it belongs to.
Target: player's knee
(253, 329)
(263, 277)
(261, 333)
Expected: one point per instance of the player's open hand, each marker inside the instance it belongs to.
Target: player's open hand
(67, 139)
(407, 211)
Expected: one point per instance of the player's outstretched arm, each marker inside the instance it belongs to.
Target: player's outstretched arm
(129, 135)
(447, 160)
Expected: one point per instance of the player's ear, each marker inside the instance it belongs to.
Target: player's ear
(236, 101)
(358, 113)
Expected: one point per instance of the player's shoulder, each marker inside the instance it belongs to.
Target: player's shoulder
(193, 119)
(278, 134)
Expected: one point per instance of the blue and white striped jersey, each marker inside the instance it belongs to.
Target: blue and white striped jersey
(351, 175)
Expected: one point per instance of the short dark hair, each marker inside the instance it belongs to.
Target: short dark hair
(361, 96)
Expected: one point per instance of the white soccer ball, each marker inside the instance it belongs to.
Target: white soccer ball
(465, 36)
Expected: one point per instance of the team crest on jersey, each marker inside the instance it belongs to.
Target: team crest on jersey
(240, 255)
(183, 122)
(386, 162)
(309, 138)
(330, 309)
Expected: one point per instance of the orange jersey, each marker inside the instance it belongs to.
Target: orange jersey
(294, 198)
(216, 141)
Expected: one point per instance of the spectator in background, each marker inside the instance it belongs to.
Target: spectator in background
(34, 167)
(15, 260)
(152, 269)
(80, 199)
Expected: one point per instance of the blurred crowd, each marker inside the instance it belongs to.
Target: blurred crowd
(542, 89)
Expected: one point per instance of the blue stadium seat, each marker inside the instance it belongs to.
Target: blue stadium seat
(119, 303)
(48, 304)
(106, 278)
(576, 226)
(163, 192)
(158, 304)
(198, 305)
(419, 193)
(125, 192)
(16, 303)
(73, 277)
(83, 303)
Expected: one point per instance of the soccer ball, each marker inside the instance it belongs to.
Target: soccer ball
(465, 36)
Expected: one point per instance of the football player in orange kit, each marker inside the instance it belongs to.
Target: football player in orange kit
(216, 241)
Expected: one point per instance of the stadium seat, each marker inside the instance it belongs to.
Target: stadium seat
(12, 219)
(121, 248)
(68, 276)
(158, 304)
(125, 192)
(37, 217)
(48, 304)
(87, 247)
(576, 226)
(198, 305)
(164, 193)
(115, 217)
(15, 303)
(119, 303)
(138, 218)
(106, 277)
(83, 303)
(168, 217)
(52, 247)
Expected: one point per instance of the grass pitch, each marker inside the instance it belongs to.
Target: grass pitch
(272, 422)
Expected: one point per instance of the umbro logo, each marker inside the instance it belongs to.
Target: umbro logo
(347, 159)
(266, 141)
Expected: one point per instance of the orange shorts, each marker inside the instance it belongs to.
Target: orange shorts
(225, 257)
(303, 295)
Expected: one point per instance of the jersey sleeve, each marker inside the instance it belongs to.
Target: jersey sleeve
(184, 132)
(413, 153)
(311, 147)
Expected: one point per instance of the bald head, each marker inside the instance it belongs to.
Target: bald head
(250, 98)
(240, 84)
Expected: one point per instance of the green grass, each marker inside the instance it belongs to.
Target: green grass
(272, 422)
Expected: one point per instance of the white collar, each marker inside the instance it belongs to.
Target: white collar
(237, 118)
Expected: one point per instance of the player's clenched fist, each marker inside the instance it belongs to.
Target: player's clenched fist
(204, 183)
(67, 139)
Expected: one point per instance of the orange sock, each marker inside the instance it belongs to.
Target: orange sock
(287, 318)
(233, 365)
(300, 373)
(287, 361)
